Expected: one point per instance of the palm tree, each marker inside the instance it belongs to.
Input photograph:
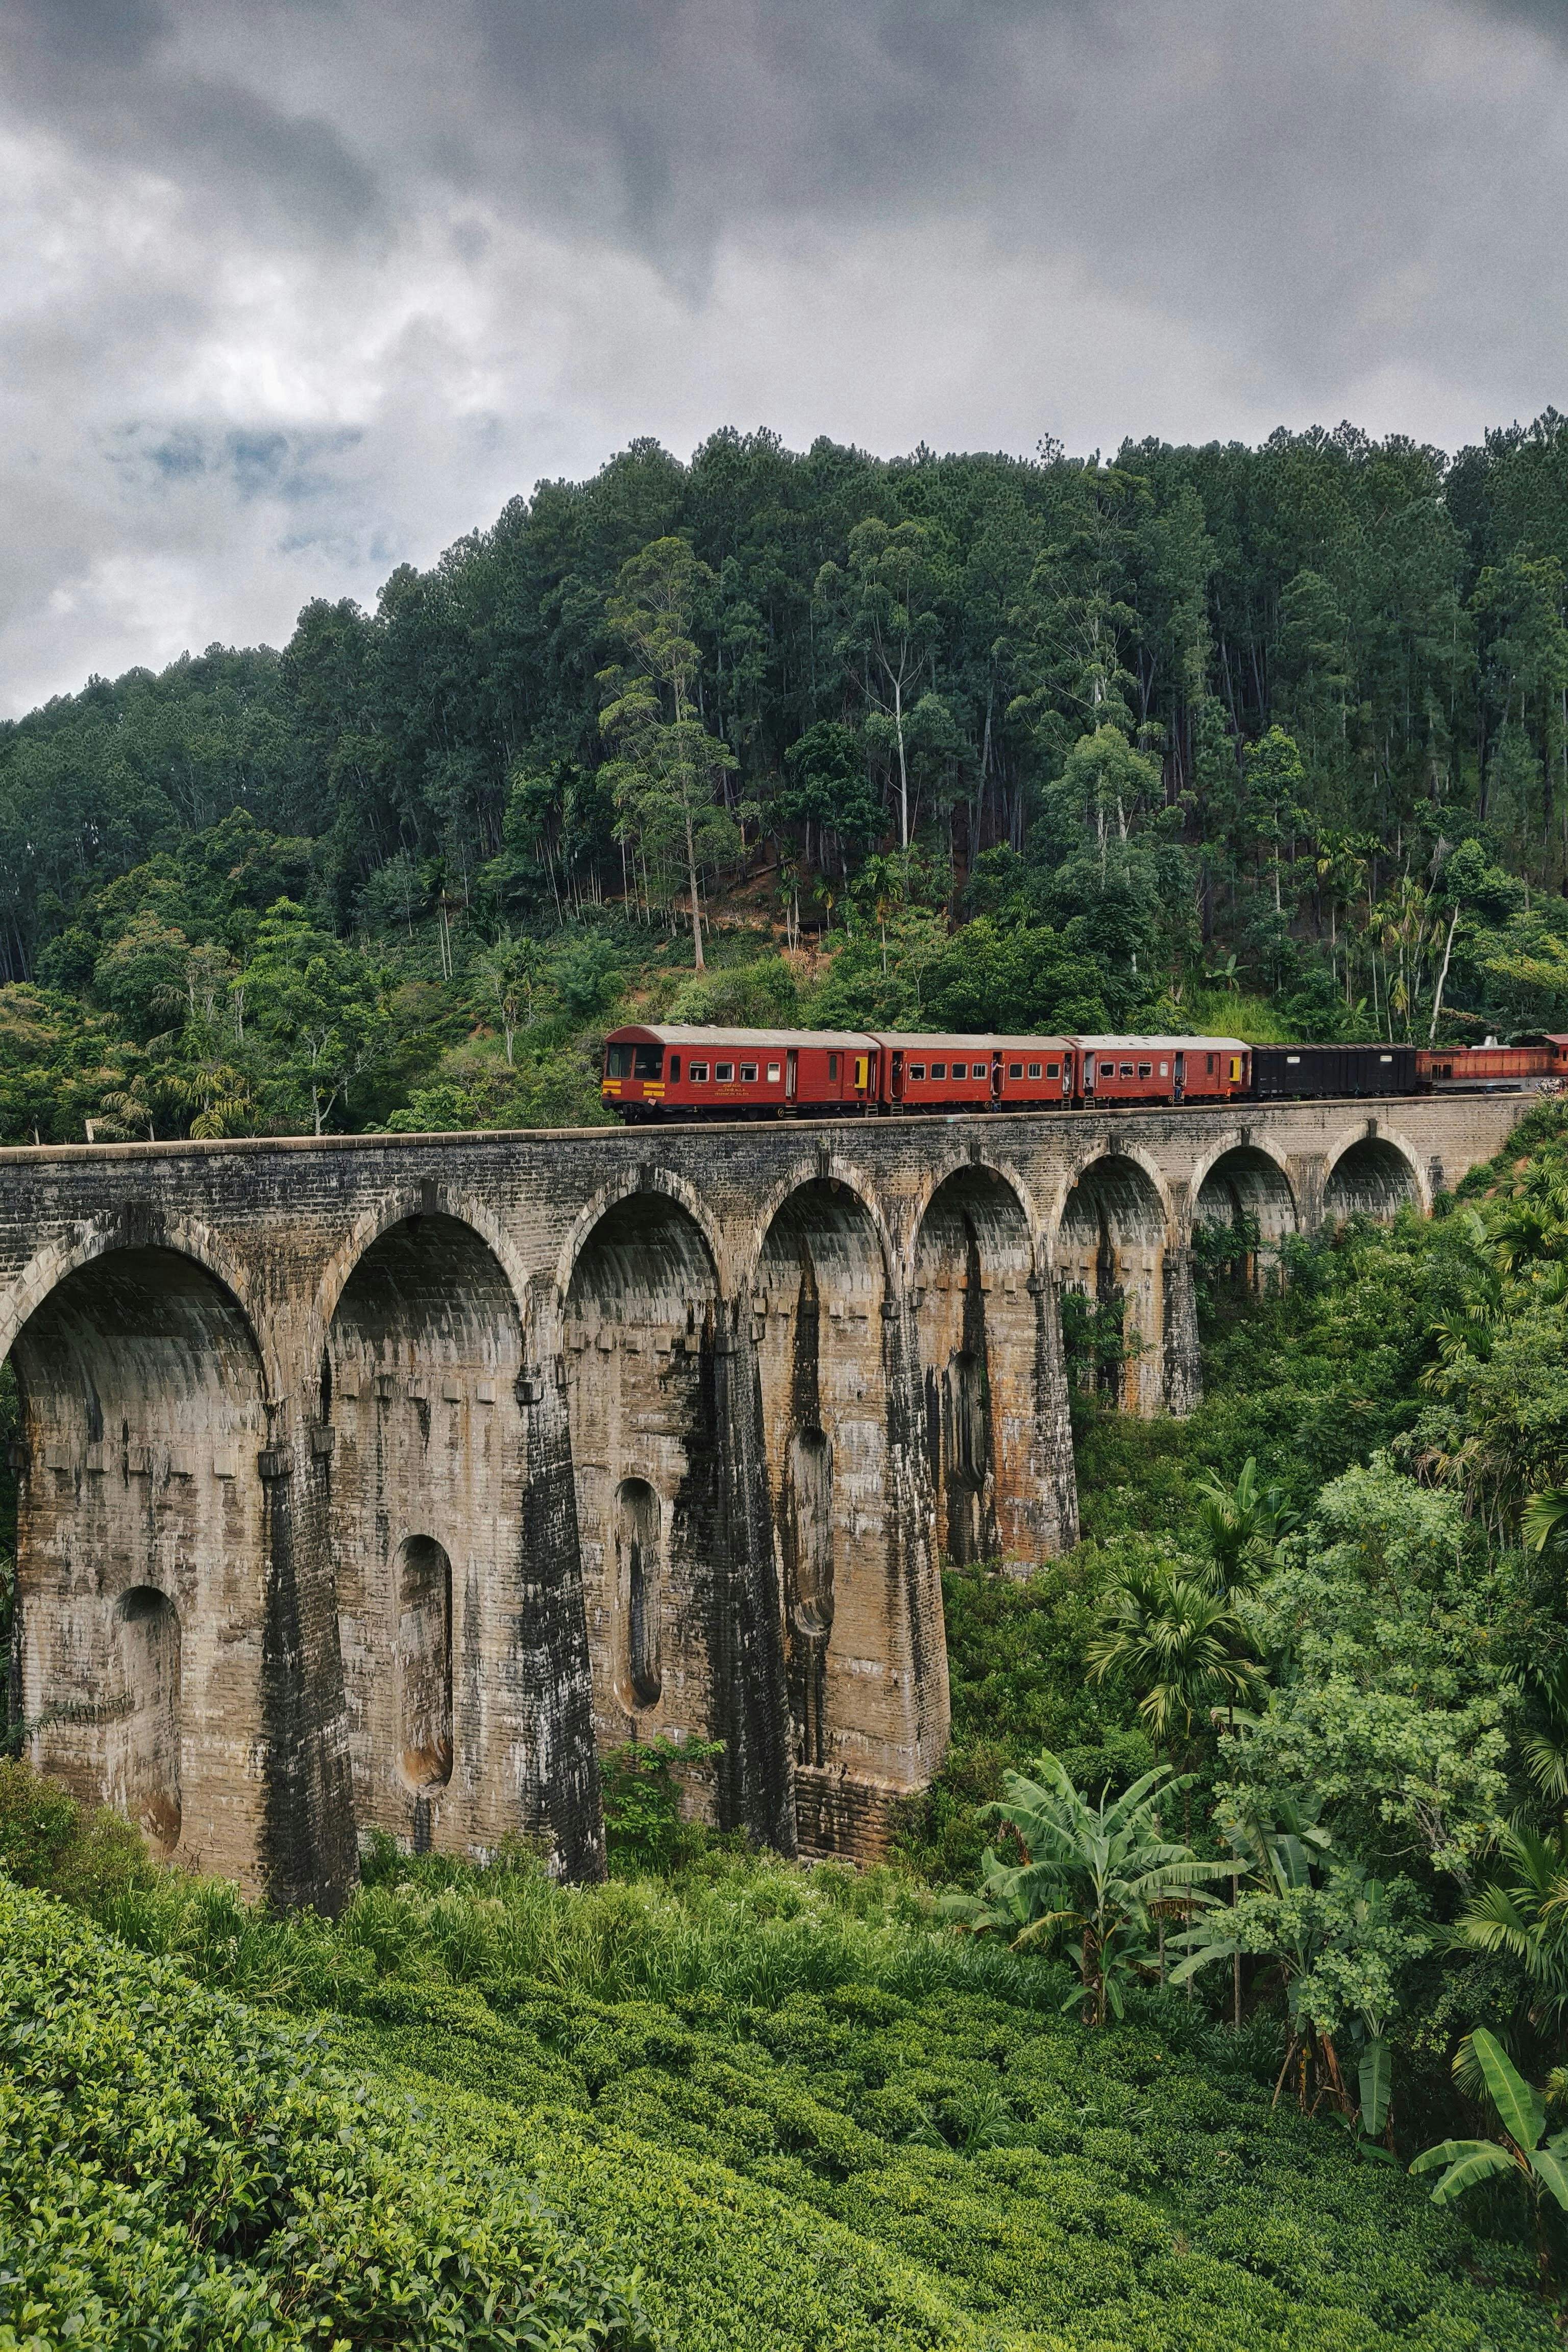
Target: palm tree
(1524, 1915)
(1242, 1525)
(1545, 1520)
(1183, 1647)
(1095, 1873)
(511, 970)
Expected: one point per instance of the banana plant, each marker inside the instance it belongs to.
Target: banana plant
(1097, 1874)
(1542, 2163)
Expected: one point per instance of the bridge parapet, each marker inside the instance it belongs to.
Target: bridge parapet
(381, 1481)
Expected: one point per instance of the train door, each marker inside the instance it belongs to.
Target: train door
(1088, 1074)
(996, 1077)
(1180, 1089)
(896, 1077)
(791, 1074)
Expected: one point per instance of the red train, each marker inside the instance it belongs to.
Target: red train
(673, 1072)
(661, 1072)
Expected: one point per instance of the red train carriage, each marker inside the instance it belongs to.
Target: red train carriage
(678, 1072)
(943, 1074)
(1161, 1069)
(1491, 1065)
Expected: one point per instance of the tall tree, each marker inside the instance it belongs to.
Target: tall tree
(663, 760)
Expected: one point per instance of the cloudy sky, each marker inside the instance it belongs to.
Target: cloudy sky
(293, 290)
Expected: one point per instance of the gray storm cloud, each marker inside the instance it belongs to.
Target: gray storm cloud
(292, 290)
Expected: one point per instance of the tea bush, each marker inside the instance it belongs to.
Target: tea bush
(175, 2172)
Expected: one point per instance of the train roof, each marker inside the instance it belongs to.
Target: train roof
(1162, 1045)
(904, 1042)
(740, 1041)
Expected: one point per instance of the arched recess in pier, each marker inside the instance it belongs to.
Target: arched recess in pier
(420, 1446)
(998, 1446)
(148, 1634)
(856, 1572)
(677, 1558)
(1111, 1250)
(1246, 1193)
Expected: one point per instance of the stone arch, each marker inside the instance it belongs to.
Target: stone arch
(142, 1225)
(642, 1331)
(663, 1182)
(841, 1179)
(1110, 1248)
(639, 1566)
(1246, 1190)
(410, 1201)
(143, 1527)
(988, 1340)
(827, 1364)
(944, 1167)
(1373, 1173)
(421, 1450)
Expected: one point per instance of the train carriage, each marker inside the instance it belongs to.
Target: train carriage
(1161, 1069)
(1282, 1073)
(1494, 1068)
(977, 1073)
(663, 1071)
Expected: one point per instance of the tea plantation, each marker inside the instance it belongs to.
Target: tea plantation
(754, 2109)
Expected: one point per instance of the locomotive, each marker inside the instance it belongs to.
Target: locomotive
(663, 1072)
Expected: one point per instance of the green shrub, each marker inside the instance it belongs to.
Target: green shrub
(175, 2173)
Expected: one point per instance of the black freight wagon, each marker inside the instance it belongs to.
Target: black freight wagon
(1281, 1071)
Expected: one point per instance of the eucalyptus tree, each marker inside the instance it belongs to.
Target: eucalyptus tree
(664, 762)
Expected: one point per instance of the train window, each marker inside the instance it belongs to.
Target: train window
(1015, 1069)
(1208, 1064)
(697, 1074)
(1165, 1069)
(917, 1069)
(748, 1073)
(674, 1069)
(1145, 1069)
(648, 1062)
(618, 1061)
(1385, 1057)
(1292, 1060)
(724, 1074)
(774, 1073)
(961, 1070)
(939, 1069)
(1127, 1069)
(1053, 1070)
(833, 1065)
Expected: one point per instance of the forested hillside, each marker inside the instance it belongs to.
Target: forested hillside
(1275, 737)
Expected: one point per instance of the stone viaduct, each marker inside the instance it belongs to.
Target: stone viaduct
(381, 1481)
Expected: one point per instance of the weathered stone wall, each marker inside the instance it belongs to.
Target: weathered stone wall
(380, 1482)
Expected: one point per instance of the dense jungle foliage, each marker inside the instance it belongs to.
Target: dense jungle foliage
(1269, 739)
(1138, 2061)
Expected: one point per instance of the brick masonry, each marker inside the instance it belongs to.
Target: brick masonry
(381, 1482)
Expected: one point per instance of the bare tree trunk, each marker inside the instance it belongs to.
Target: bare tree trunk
(1443, 975)
(903, 771)
(696, 910)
